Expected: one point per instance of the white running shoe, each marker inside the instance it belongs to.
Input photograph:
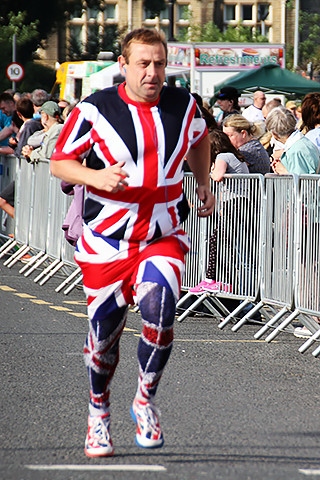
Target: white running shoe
(146, 417)
(302, 332)
(98, 441)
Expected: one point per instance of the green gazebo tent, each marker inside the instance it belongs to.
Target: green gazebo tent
(270, 79)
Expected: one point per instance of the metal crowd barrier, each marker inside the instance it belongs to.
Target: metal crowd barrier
(7, 174)
(265, 228)
(40, 207)
(236, 226)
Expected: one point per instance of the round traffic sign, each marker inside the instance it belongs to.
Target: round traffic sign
(15, 72)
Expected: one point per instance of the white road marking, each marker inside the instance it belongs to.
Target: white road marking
(127, 468)
(310, 471)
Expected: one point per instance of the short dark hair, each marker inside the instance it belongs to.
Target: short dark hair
(6, 97)
(25, 107)
(142, 35)
(310, 110)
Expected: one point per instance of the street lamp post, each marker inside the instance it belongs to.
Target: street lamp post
(296, 35)
(171, 20)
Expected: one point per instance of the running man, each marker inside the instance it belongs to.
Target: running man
(135, 138)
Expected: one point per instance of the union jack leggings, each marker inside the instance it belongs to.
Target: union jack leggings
(146, 274)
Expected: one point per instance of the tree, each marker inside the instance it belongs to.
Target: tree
(211, 33)
(25, 33)
(309, 48)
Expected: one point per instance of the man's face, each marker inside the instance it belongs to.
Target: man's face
(7, 107)
(260, 100)
(145, 72)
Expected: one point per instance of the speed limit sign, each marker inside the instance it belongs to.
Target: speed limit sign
(15, 72)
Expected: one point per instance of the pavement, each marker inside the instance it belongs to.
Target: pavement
(233, 408)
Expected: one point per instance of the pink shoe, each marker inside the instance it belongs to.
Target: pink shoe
(218, 287)
(201, 287)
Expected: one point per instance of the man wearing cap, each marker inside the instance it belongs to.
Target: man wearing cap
(227, 99)
(52, 125)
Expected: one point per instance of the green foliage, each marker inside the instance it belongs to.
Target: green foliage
(309, 46)
(25, 33)
(211, 33)
(37, 76)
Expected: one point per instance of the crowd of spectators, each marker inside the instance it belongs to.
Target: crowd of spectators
(265, 137)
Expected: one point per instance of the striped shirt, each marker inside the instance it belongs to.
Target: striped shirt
(152, 139)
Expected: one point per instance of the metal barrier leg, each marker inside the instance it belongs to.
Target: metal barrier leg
(184, 298)
(36, 265)
(73, 285)
(47, 270)
(309, 342)
(247, 317)
(232, 314)
(282, 326)
(68, 279)
(31, 262)
(51, 273)
(193, 306)
(16, 256)
(270, 323)
(6, 247)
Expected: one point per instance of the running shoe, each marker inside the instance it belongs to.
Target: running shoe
(302, 332)
(201, 287)
(98, 441)
(146, 417)
(218, 287)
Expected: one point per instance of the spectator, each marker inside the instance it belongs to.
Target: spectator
(7, 107)
(253, 113)
(242, 134)
(300, 155)
(15, 125)
(29, 126)
(310, 113)
(227, 99)
(292, 106)
(132, 246)
(225, 158)
(51, 121)
(209, 118)
(38, 98)
(7, 194)
(273, 147)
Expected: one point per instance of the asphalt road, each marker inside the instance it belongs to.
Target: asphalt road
(233, 408)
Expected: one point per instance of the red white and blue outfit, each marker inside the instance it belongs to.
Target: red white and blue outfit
(132, 249)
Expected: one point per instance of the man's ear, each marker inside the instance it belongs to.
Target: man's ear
(122, 63)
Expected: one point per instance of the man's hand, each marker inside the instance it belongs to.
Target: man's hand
(208, 201)
(111, 179)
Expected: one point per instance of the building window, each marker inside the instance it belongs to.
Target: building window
(183, 12)
(76, 12)
(164, 14)
(110, 11)
(92, 13)
(246, 12)
(229, 13)
(263, 12)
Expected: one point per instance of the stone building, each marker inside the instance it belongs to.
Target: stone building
(271, 19)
